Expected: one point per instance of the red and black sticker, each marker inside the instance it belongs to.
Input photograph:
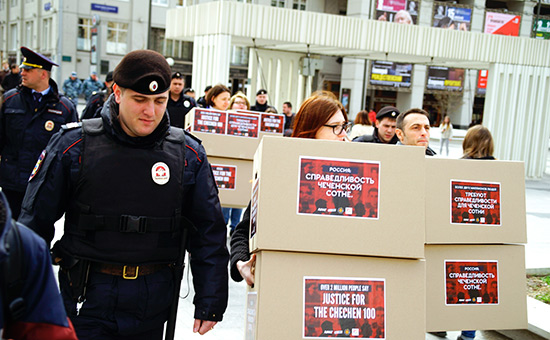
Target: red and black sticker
(211, 121)
(475, 203)
(471, 282)
(225, 176)
(243, 125)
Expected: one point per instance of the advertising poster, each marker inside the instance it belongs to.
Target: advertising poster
(398, 11)
(251, 308)
(482, 77)
(338, 187)
(452, 17)
(471, 282)
(502, 23)
(445, 78)
(387, 73)
(475, 203)
(272, 123)
(542, 29)
(243, 125)
(211, 121)
(344, 308)
(254, 210)
(225, 176)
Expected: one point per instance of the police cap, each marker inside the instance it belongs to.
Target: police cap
(109, 76)
(177, 75)
(261, 91)
(35, 60)
(387, 112)
(144, 71)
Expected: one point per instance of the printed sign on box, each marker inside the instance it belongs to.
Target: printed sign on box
(251, 311)
(225, 176)
(254, 209)
(475, 203)
(272, 123)
(212, 121)
(244, 125)
(471, 282)
(338, 187)
(344, 308)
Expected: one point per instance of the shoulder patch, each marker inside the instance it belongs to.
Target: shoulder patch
(71, 126)
(38, 165)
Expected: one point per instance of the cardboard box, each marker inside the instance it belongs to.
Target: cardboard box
(299, 295)
(234, 179)
(475, 201)
(475, 287)
(374, 207)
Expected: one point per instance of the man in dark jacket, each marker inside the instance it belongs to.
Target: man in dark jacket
(30, 304)
(413, 128)
(179, 104)
(384, 130)
(261, 101)
(30, 115)
(96, 101)
(12, 79)
(127, 200)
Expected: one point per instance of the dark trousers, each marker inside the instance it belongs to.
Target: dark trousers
(15, 199)
(116, 308)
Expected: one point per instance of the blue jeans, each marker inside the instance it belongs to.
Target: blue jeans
(234, 214)
(469, 334)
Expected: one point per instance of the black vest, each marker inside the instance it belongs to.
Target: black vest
(127, 202)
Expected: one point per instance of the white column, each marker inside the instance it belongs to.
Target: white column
(415, 98)
(527, 17)
(211, 57)
(461, 110)
(352, 78)
(517, 111)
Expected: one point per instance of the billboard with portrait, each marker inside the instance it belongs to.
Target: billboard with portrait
(398, 11)
(453, 16)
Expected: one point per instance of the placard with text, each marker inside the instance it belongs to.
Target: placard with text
(338, 187)
(475, 203)
(243, 125)
(344, 308)
(471, 282)
(211, 121)
(273, 123)
(225, 176)
(254, 209)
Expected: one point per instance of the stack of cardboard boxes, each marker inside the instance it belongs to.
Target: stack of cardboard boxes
(230, 139)
(475, 257)
(339, 237)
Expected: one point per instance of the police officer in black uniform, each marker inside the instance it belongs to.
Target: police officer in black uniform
(179, 104)
(96, 101)
(32, 112)
(384, 127)
(129, 183)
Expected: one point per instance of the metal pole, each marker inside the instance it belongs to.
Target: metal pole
(149, 28)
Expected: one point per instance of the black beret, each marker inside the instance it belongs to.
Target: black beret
(35, 60)
(109, 76)
(144, 71)
(387, 111)
(177, 75)
(261, 91)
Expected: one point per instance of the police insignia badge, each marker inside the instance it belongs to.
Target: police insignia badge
(160, 173)
(38, 164)
(49, 125)
(153, 86)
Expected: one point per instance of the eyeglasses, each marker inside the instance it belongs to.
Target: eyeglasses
(337, 129)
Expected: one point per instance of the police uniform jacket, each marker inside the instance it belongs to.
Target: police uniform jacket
(94, 105)
(56, 181)
(72, 88)
(25, 131)
(178, 109)
(89, 86)
(374, 138)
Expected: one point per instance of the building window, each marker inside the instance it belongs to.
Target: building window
(28, 33)
(239, 55)
(299, 5)
(179, 3)
(178, 49)
(14, 38)
(46, 33)
(160, 2)
(157, 39)
(2, 5)
(117, 36)
(278, 3)
(84, 38)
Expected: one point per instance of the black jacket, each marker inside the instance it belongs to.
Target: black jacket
(374, 138)
(11, 81)
(178, 109)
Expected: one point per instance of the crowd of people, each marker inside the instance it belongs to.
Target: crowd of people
(137, 192)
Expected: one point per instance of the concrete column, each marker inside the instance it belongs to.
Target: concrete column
(353, 71)
(478, 14)
(526, 10)
(517, 111)
(211, 57)
(415, 98)
(425, 13)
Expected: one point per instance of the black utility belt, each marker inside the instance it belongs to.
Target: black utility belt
(126, 271)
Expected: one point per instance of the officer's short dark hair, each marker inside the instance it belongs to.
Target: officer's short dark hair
(402, 115)
(289, 104)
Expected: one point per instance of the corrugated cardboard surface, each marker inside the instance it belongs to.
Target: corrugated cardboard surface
(240, 196)
(399, 231)
(510, 175)
(510, 313)
(228, 146)
(280, 300)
